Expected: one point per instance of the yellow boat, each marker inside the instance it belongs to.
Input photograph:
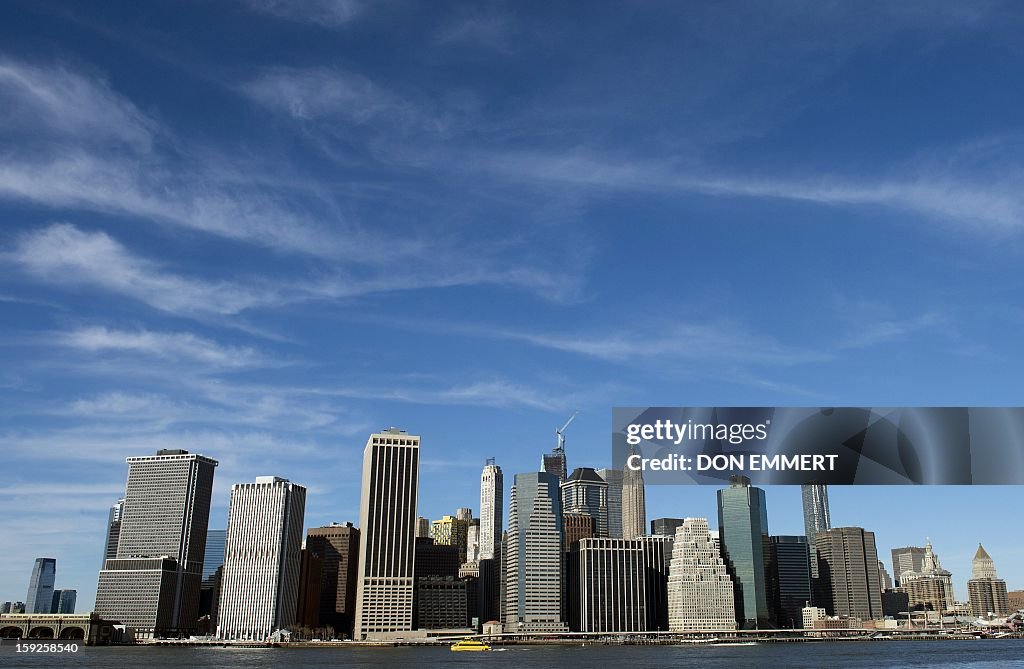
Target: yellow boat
(469, 645)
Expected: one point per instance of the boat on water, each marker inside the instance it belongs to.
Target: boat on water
(469, 645)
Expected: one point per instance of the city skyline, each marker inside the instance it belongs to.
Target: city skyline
(260, 235)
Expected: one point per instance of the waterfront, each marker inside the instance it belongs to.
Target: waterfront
(952, 654)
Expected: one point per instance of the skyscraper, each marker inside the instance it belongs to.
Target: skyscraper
(634, 503)
(260, 587)
(743, 534)
(422, 527)
(387, 519)
(849, 566)
(40, 586)
(555, 463)
(338, 548)
(665, 527)
(790, 577)
(213, 556)
(907, 560)
(986, 591)
(113, 530)
(492, 490)
(700, 591)
(613, 477)
(451, 531)
(533, 555)
(657, 552)
(473, 541)
(64, 602)
(576, 526)
(816, 514)
(587, 493)
(209, 588)
(932, 587)
(153, 583)
(606, 586)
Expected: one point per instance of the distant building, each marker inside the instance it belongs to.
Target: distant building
(533, 555)
(311, 569)
(64, 601)
(810, 615)
(209, 588)
(816, 513)
(153, 584)
(848, 565)
(587, 493)
(387, 514)
(613, 477)
(577, 526)
(451, 531)
(930, 589)
(607, 586)
(1015, 599)
(700, 591)
(789, 579)
(634, 503)
(884, 580)
(422, 527)
(986, 591)
(433, 559)
(492, 490)
(665, 527)
(906, 560)
(40, 586)
(657, 555)
(895, 604)
(743, 532)
(260, 587)
(338, 548)
(473, 541)
(555, 463)
(489, 586)
(442, 603)
(113, 530)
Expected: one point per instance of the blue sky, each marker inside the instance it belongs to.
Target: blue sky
(260, 230)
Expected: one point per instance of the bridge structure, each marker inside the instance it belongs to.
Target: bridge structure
(87, 628)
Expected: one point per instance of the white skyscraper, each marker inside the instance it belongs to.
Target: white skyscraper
(491, 493)
(533, 555)
(260, 582)
(634, 503)
(700, 592)
(387, 521)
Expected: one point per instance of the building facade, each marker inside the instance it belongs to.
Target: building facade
(607, 586)
(533, 555)
(848, 564)
(907, 560)
(790, 579)
(387, 520)
(113, 530)
(576, 526)
(700, 590)
(930, 589)
(153, 584)
(986, 592)
(338, 548)
(613, 477)
(260, 584)
(816, 512)
(587, 493)
(492, 491)
(451, 531)
(665, 527)
(634, 503)
(41, 586)
(743, 536)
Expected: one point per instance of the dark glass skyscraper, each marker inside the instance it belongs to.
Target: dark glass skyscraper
(743, 532)
(816, 514)
(40, 586)
(790, 577)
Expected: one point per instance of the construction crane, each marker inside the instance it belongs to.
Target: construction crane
(560, 433)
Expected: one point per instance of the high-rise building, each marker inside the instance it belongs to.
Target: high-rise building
(700, 591)
(311, 582)
(849, 565)
(657, 552)
(665, 527)
(790, 579)
(64, 601)
(907, 560)
(153, 584)
(533, 555)
(473, 541)
(931, 588)
(587, 493)
(422, 527)
(634, 503)
(113, 530)
(40, 586)
(338, 548)
(613, 477)
(209, 588)
(492, 490)
(576, 526)
(555, 463)
(464, 514)
(260, 587)
(816, 514)
(986, 591)
(387, 519)
(441, 603)
(213, 556)
(884, 580)
(606, 586)
(451, 531)
(743, 533)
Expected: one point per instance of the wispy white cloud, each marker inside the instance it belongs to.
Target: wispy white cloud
(167, 345)
(327, 13)
(316, 93)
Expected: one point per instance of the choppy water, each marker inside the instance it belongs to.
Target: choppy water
(989, 654)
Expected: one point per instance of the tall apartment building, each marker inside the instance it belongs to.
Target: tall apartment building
(338, 548)
(260, 584)
(113, 530)
(607, 586)
(743, 535)
(700, 590)
(40, 586)
(587, 493)
(492, 490)
(849, 566)
(533, 555)
(387, 521)
(153, 584)
(986, 591)
(634, 503)
(613, 477)
(790, 579)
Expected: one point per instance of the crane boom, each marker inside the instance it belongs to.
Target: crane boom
(560, 432)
